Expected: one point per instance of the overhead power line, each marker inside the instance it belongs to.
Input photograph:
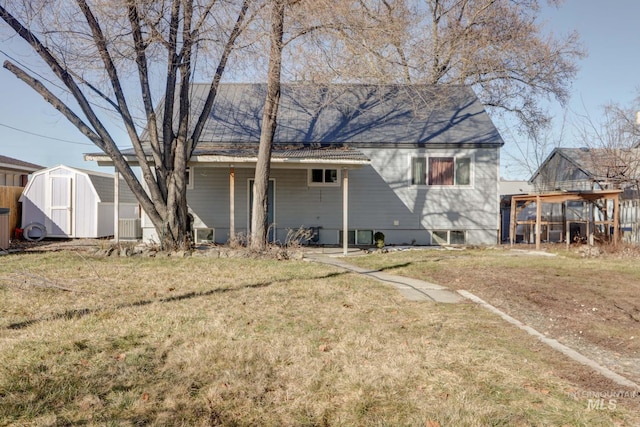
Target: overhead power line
(45, 136)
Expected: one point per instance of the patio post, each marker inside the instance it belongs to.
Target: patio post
(538, 221)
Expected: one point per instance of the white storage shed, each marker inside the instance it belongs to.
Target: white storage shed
(75, 203)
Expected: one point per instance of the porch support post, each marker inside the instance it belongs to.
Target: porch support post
(116, 207)
(345, 211)
(616, 218)
(538, 222)
(232, 202)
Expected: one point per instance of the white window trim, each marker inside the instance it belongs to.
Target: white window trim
(455, 158)
(310, 183)
(448, 231)
(190, 175)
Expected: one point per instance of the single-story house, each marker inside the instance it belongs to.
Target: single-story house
(67, 202)
(417, 163)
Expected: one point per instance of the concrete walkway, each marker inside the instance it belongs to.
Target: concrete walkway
(412, 289)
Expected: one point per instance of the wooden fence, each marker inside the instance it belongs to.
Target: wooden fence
(9, 199)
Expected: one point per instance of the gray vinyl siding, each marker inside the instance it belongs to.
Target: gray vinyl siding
(423, 208)
(381, 198)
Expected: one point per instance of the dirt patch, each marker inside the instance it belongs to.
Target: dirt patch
(592, 309)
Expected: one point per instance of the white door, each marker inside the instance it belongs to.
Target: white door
(60, 216)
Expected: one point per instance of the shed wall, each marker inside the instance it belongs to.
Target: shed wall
(85, 209)
(88, 216)
(34, 200)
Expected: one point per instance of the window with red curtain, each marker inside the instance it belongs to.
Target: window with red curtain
(441, 170)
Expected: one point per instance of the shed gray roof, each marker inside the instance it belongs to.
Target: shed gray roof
(372, 115)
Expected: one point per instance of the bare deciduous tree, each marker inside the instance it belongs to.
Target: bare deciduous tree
(499, 47)
(92, 48)
(613, 143)
(259, 224)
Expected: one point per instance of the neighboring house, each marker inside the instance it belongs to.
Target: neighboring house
(14, 172)
(417, 163)
(67, 202)
(587, 171)
(579, 169)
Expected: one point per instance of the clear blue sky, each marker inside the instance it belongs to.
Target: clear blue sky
(611, 72)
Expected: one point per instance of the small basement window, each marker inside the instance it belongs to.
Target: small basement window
(448, 237)
(358, 237)
(205, 235)
(324, 177)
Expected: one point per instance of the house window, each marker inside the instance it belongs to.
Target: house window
(441, 171)
(357, 237)
(328, 177)
(419, 171)
(449, 171)
(448, 237)
(189, 177)
(463, 171)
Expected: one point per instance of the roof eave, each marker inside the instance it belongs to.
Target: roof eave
(104, 160)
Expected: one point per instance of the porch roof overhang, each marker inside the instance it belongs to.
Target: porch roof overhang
(281, 157)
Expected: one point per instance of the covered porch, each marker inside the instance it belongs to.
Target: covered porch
(309, 188)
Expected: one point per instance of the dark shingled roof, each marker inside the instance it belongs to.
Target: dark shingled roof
(330, 122)
(375, 115)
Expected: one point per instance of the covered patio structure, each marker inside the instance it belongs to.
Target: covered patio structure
(609, 222)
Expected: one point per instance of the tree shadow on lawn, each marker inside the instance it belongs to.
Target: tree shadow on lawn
(82, 312)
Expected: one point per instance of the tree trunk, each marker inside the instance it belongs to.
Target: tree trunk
(259, 226)
(163, 197)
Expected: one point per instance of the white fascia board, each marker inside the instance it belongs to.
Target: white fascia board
(277, 160)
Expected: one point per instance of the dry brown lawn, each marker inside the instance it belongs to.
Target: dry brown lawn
(197, 341)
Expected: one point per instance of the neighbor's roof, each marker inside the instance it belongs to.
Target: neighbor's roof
(597, 163)
(9, 163)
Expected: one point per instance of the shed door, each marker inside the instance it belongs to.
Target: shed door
(60, 207)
